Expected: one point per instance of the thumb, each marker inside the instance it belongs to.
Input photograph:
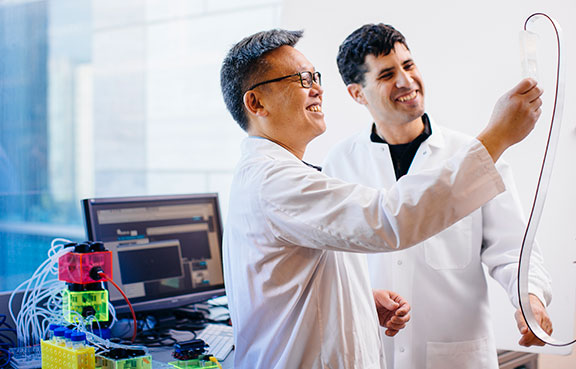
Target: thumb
(387, 302)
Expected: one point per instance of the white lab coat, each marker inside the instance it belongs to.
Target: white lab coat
(299, 297)
(443, 278)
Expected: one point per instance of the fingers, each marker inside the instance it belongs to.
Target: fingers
(396, 324)
(400, 318)
(534, 94)
(528, 338)
(524, 86)
(545, 322)
(539, 311)
(546, 325)
(536, 105)
(403, 311)
(529, 91)
(393, 311)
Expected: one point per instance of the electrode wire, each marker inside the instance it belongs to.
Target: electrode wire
(135, 322)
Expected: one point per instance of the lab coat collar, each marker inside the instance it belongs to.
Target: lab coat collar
(261, 145)
(437, 138)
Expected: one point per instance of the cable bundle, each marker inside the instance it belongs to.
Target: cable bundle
(42, 299)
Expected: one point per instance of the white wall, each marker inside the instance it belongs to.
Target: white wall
(157, 99)
(469, 55)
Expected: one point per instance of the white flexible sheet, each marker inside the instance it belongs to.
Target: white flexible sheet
(541, 191)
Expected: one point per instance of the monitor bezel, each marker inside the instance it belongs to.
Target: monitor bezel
(89, 210)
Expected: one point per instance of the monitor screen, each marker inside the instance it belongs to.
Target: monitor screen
(166, 250)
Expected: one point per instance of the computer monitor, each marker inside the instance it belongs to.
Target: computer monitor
(166, 250)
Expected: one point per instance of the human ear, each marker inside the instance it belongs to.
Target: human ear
(253, 104)
(355, 90)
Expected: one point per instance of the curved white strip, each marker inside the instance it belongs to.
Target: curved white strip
(540, 196)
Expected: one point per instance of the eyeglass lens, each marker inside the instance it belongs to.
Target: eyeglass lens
(308, 78)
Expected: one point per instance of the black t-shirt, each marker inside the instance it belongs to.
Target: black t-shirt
(403, 154)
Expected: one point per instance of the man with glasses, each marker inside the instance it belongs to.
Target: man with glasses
(380, 73)
(295, 273)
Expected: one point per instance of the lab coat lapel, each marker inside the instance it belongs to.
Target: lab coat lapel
(426, 150)
(380, 164)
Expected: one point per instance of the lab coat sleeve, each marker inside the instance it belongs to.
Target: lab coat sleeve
(307, 208)
(503, 230)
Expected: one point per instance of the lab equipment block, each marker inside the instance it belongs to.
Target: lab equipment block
(55, 356)
(142, 362)
(85, 303)
(81, 268)
(203, 363)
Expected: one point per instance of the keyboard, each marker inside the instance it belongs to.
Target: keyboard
(220, 339)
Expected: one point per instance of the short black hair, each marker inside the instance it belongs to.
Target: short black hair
(370, 39)
(244, 61)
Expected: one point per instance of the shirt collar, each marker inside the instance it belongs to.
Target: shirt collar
(374, 137)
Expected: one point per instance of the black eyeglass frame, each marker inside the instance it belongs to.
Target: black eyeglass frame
(316, 77)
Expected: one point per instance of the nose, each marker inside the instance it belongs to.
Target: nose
(316, 89)
(404, 79)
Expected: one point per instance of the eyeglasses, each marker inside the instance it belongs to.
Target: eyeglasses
(306, 79)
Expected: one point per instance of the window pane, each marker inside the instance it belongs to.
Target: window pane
(104, 98)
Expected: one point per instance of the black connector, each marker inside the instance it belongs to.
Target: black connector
(95, 273)
(82, 248)
(119, 353)
(97, 246)
(189, 350)
(88, 311)
(76, 287)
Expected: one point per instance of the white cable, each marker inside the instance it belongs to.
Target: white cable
(41, 286)
(112, 313)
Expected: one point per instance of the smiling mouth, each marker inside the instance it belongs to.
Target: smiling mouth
(315, 108)
(408, 97)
